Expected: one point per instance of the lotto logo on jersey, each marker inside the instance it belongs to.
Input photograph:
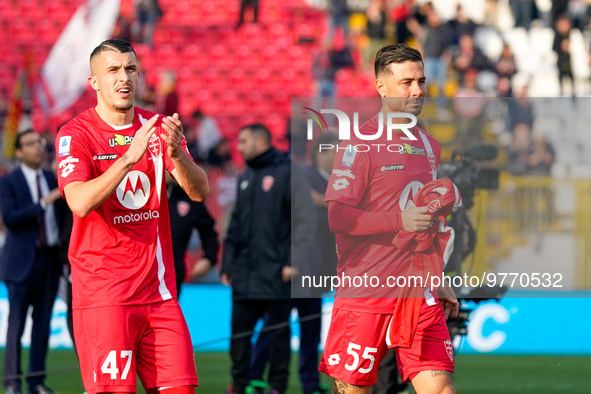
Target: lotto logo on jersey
(67, 166)
(120, 140)
(134, 190)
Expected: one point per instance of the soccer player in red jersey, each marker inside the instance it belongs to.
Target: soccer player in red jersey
(111, 163)
(370, 199)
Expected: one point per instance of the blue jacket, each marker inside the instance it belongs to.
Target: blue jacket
(21, 217)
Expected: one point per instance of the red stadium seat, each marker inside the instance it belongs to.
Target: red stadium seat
(45, 31)
(209, 12)
(247, 58)
(200, 34)
(299, 59)
(18, 28)
(253, 35)
(263, 78)
(245, 119)
(274, 58)
(237, 79)
(279, 36)
(282, 103)
(288, 77)
(233, 103)
(222, 58)
(277, 125)
(196, 57)
(226, 33)
(29, 9)
(7, 10)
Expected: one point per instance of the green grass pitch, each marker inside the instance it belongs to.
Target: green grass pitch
(474, 374)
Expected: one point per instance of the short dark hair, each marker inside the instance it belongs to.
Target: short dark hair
(397, 53)
(259, 129)
(325, 138)
(116, 44)
(19, 136)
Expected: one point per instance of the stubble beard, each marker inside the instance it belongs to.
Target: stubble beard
(123, 105)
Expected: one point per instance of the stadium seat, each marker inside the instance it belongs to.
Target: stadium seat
(253, 35)
(29, 9)
(209, 12)
(298, 59)
(263, 78)
(277, 125)
(196, 57)
(7, 10)
(281, 103)
(233, 103)
(200, 34)
(288, 77)
(279, 36)
(226, 33)
(247, 58)
(221, 57)
(165, 55)
(237, 80)
(45, 31)
(210, 77)
(274, 58)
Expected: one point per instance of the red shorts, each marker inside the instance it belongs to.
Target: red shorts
(356, 344)
(116, 342)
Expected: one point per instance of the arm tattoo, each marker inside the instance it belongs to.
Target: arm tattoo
(340, 387)
(441, 372)
(125, 159)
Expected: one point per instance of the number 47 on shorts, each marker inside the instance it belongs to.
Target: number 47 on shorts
(110, 364)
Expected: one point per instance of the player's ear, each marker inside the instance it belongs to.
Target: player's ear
(93, 82)
(381, 87)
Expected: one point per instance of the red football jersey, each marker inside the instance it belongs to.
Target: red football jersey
(383, 179)
(121, 252)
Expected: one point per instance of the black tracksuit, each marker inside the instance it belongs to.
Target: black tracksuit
(185, 215)
(257, 247)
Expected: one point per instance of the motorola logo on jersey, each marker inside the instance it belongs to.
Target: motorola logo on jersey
(408, 194)
(134, 190)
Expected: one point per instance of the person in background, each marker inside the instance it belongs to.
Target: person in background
(30, 264)
(339, 17)
(518, 153)
(375, 30)
(322, 262)
(506, 66)
(461, 25)
(167, 101)
(207, 133)
(540, 156)
(186, 215)
(562, 48)
(339, 56)
(259, 252)
(147, 13)
(469, 56)
(524, 12)
(255, 11)
(436, 40)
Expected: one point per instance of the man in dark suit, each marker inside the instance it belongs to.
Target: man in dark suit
(29, 264)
